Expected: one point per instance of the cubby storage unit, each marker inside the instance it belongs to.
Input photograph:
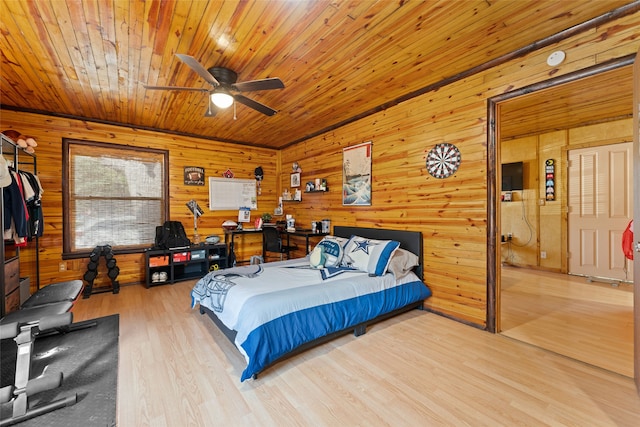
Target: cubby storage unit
(175, 265)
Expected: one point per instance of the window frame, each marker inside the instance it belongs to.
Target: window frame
(67, 143)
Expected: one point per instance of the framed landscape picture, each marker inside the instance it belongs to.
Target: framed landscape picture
(356, 175)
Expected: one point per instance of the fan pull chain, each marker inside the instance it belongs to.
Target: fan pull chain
(234, 111)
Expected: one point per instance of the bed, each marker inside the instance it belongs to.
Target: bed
(275, 310)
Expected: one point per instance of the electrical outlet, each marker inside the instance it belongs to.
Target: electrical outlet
(543, 254)
(62, 266)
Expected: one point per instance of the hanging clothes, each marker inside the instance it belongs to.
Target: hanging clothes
(627, 241)
(15, 225)
(22, 198)
(33, 200)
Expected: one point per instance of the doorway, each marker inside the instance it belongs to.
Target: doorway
(526, 108)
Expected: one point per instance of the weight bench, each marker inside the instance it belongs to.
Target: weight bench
(56, 292)
(15, 397)
(45, 312)
(56, 298)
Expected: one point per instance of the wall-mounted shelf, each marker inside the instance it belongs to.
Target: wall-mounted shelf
(317, 191)
(291, 201)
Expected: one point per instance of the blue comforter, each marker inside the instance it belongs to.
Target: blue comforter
(276, 307)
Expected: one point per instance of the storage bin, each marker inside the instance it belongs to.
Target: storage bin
(181, 256)
(158, 261)
(200, 254)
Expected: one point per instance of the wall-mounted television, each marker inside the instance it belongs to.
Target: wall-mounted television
(512, 176)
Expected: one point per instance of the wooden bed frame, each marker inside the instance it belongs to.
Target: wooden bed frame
(409, 240)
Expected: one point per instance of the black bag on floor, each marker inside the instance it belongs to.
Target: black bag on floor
(171, 235)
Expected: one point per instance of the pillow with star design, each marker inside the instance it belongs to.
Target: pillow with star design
(369, 255)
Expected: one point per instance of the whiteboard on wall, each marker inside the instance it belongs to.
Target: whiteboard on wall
(232, 194)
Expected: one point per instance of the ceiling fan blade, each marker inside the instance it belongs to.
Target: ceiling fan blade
(264, 84)
(255, 105)
(193, 89)
(198, 68)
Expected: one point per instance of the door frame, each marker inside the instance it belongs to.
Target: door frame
(636, 221)
(493, 198)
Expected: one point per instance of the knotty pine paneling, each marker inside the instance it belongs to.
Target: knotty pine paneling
(451, 213)
(214, 157)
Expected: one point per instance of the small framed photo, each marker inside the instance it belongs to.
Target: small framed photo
(295, 179)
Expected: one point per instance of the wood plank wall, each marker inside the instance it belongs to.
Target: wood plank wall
(214, 157)
(451, 213)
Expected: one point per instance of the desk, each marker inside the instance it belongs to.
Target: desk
(303, 233)
(307, 234)
(232, 233)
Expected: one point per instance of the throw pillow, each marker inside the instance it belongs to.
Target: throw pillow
(402, 262)
(369, 255)
(317, 259)
(332, 250)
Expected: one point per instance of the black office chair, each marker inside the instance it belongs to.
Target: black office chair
(272, 242)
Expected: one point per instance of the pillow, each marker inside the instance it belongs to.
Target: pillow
(317, 259)
(328, 253)
(341, 240)
(402, 262)
(369, 255)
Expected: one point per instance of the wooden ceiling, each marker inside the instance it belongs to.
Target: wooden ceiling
(603, 97)
(338, 59)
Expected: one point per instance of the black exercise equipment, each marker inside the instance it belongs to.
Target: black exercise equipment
(45, 312)
(55, 293)
(53, 299)
(92, 270)
(16, 397)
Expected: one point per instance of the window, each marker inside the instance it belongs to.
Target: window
(114, 194)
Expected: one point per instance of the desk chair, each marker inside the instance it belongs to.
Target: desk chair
(272, 242)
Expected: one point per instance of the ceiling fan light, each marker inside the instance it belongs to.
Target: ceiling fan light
(221, 99)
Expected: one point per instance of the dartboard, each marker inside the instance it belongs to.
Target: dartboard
(443, 160)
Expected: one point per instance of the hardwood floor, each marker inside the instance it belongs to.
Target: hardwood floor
(177, 369)
(587, 321)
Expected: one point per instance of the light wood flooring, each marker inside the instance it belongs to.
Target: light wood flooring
(588, 321)
(177, 369)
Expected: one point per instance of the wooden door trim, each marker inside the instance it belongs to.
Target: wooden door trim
(636, 221)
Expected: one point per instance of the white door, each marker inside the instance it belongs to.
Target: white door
(600, 207)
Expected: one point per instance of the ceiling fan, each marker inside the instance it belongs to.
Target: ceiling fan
(225, 87)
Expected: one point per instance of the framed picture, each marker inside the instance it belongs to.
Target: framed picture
(356, 175)
(193, 175)
(295, 179)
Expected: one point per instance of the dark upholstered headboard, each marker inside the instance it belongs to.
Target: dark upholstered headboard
(409, 240)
